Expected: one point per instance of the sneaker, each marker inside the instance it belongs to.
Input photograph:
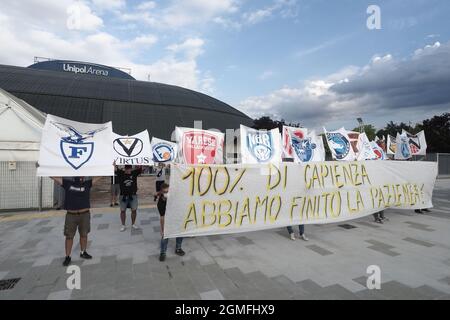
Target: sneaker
(304, 238)
(180, 252)
(426, 210)
(116, 204)
(67, 261)
(111, 205)
(418, 211)
(135, 227)
(123, 228)
(85, 255)
(162, 257)
(292, 236)
(379, 221)
(155, 198)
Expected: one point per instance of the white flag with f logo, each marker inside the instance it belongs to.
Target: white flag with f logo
(75, 149)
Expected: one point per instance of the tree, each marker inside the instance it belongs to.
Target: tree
(266, 123)
(437, 133)
(392, 128)
(370, 131)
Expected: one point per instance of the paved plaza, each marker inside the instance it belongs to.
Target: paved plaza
(412, 250)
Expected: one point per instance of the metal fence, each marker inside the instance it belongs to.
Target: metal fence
(443, 160)
(21, 189)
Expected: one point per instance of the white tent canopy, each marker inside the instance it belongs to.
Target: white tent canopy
(20, 129)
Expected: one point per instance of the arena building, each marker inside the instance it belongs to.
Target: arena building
(94, 93)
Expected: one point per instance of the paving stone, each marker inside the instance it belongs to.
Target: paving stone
(212, 295)
(335, 292)
(419, 226)
(309, 286)
(244, 241)
(43, 222)
(103, 226)
(429, 292)
(419, 242)
(60, 295)
(398, 291)
(382, 247)
(45, 230)
(368, 224)
(319, 250)
(126, 266)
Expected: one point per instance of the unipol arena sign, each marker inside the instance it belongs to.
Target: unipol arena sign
(77, 67)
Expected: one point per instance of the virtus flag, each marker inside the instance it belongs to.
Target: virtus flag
(132, 150)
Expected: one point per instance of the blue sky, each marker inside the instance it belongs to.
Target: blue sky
(308, 61)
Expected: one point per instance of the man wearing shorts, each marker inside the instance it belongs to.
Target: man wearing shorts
(77, 203)
(128, 194)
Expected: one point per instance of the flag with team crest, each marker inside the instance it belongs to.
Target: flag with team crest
(417, 142)
(197, 146)
(365, 150)
(132, 150)
(403, 149)
(302, 146)
(164, 151)
(354, 140)
(378, 151)
(75, 149)
(260, 146)
(340, 145)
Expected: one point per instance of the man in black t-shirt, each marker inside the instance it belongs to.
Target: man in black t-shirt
(77, 203)
(128, 193)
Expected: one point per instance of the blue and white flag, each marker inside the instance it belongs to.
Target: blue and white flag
(74, 149)
(340, 145)
(302, 145)
(365, 149)
(403, 149)
(260, 146)
(164, 151)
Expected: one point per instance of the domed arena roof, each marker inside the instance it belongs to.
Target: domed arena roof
(131, 105)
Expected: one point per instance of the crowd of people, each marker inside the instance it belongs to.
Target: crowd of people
(124, 189)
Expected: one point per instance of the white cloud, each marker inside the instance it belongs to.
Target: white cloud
(146, 5)
(179, 14)
(27, 38)
(145, 40)
(380, 91)
(191, 48)
(285, 8)
(109, 4)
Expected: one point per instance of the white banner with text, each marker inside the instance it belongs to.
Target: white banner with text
(221, 199)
